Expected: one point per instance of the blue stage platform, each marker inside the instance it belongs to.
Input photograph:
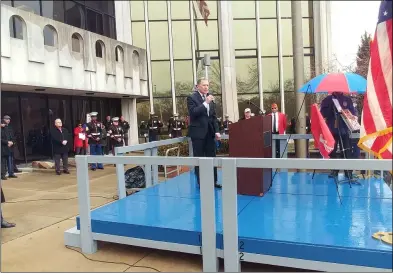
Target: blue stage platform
(299, 218)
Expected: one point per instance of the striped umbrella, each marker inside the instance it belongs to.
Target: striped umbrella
(336, 82)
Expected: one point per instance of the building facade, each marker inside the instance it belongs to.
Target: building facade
(250, 41)
(64, 59)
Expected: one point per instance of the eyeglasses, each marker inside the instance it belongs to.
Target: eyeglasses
(274, 108)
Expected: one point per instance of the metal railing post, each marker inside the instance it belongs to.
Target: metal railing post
(208, 216)
(154, 152)
(190, 152)
(273, 147)
(147, 152)
(121, 180)
(229, 216)
(88, 245)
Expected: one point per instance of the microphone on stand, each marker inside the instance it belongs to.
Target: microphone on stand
(262, 112)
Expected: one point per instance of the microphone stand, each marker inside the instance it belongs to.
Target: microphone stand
(260, 110)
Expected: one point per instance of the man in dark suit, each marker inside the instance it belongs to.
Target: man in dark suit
(203, 128)
(60, 141)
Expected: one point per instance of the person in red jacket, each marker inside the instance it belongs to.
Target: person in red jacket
(279, 125)
(80, 140)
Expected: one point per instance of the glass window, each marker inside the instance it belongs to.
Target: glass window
(268, 33)
(17, 27)
(307, 67)
(267, 9)
(285, 8)
(243, 99)
(31, 6)
(50, 36)
(75, 14)
(180, 9)
(181, 40)
(159, 44)
(36, 130)
(163, 108)
(99, 49)
(10, 106)
(240, 28)
(161, 78)
(212, 5)
(206, 37)
(243, 9)
(76, 43)
(143, 110)
(138, 34)
(157, 10)
(109, 26)
(114, 107)
(80, 109)
(119, 54)
(181, 106)
(53, 10)
(137, 10)
(286, 36)
(306, 32)
(59, 107)
(246, 75)
(214, 75)
(183, 77)
(269, 74)
(94, 22)
(251, 52)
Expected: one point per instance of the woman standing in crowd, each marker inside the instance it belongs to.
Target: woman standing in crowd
(80, 140)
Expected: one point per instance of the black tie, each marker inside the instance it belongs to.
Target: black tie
(274, 123)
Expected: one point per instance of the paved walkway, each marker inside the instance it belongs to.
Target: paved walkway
(44, 205)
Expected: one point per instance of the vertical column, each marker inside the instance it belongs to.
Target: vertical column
(317, 36)
(148, 174)
(227, 60)
(148, 54)
(259, 55)
(129, 111)
(280, 61)
(298, 71)
(192, 28)
(171, 63)
(123, 21)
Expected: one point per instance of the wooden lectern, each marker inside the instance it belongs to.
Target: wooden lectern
(252, 138)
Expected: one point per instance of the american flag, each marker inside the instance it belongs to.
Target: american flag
(203, 9)
(376, 125)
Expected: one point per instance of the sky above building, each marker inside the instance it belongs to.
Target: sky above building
(350, 19)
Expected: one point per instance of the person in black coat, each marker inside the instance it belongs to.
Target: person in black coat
(203, 128)
(11, 167)
(60, 143)
(5, 150)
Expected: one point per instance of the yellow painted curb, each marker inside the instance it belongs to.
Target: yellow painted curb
(386, 237)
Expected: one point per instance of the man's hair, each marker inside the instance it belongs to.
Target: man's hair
(200, 80)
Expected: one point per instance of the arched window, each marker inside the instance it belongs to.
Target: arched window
(50, 36)
(77, 44)
(135, 60)
(100, 49)
(119, 54)
(17, 27)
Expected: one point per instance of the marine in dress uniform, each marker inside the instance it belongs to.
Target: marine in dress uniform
(225, 125)
(94, 133)
(176, 127)
(117, 134)
(126, 127)
(107, 124)
(154, 126)
(337, 126)
(143, 130)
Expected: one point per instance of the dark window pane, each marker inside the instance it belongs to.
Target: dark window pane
(91, 20)
(97, 5)
(59, 107)
(109, 27)
(49, 36)
(31, 6)
(99, 50)
(53, 10)
(35, 124)
(76, 43)
(75, 15)
(10, 106)
(111, 7)
(17, 27)
(80, 108)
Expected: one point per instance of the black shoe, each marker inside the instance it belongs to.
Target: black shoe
(17, 171)
(12, 176)
(93, 169)
(58, 173)
(66, 172)
(217, 185)
(5, 224)
(3, 177)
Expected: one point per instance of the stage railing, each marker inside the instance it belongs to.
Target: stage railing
(231, 254)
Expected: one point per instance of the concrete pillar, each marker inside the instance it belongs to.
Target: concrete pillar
(298, 72)
(317, 36)
(227, 60)
(128, 110)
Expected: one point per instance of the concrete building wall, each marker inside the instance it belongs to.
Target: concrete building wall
(29, 62)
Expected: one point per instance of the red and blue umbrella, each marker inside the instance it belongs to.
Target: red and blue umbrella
(336, 82)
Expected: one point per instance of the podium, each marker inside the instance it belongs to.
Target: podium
(252, 138)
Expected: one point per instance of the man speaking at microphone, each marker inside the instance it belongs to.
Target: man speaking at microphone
(203, 128)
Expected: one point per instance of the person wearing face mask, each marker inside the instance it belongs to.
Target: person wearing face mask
(60, 143)
(203, 129)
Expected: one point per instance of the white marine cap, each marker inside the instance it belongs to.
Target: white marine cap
(115, 119)
(247, 110)
(94, 113)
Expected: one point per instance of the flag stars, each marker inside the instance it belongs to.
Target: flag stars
(385, 13)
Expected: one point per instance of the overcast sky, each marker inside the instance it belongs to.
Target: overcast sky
(349, 21)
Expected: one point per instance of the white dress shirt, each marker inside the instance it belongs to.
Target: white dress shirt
(204, 103)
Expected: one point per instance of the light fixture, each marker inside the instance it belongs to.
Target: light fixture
(39, 89)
